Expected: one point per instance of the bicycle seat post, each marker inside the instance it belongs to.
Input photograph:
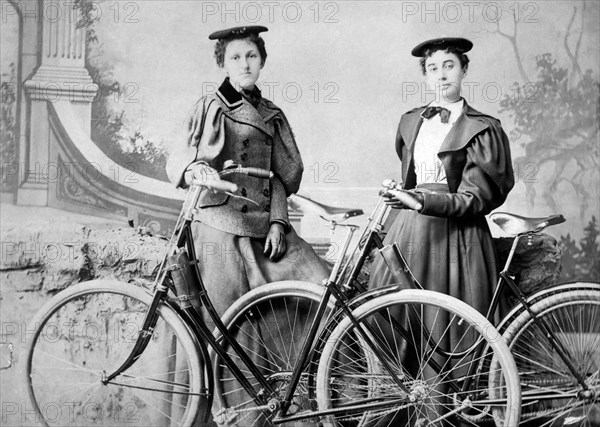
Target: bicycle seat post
(350, 229)
(511, 254)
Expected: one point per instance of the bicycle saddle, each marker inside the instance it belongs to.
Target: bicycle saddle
(515, 224)
(328, 213)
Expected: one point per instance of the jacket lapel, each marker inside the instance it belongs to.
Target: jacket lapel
(248, 115)
(464, 129)
(267, 113)
(240, 110)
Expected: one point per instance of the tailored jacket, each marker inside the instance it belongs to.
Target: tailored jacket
(225, 126)
(476, 158)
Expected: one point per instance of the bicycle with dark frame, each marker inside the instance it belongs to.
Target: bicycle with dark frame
(122, 354)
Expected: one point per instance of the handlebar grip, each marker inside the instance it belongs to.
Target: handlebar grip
(407, 199)
(221, 186)
(258, 173)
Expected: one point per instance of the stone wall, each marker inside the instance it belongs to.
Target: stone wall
(45, 253)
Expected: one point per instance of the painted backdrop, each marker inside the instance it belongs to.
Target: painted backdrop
(343, 74)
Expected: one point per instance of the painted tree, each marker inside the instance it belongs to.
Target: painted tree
(559, 121)
(121, 139)
(556, 117)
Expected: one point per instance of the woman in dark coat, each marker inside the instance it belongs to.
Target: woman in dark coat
(456, 164)
(242, 245)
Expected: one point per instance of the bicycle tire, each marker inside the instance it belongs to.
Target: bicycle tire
(332, 321)
(350, 370)
(544, 293)
(274, 353)
(89, 329)
(573, 316)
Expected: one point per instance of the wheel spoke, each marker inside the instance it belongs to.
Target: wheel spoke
(551, 392)
(68, 369)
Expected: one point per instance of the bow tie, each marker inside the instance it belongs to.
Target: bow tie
(429, 112)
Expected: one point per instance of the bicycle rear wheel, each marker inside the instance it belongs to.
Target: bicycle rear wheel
(552, 395)
(86, 332)
(420, 385)
(271, 323)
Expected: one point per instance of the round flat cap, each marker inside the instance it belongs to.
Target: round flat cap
(442, 43)
(237, 32)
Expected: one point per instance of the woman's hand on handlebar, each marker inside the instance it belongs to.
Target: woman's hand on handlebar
(403, 199)
(205, 176)
(202, 174)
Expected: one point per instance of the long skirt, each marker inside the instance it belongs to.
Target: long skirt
(234, 265)
(454, 256)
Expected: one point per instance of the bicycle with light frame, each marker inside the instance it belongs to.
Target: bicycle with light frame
(553, 335)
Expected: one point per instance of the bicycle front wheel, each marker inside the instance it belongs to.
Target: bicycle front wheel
(406, 361)
(85, 333)
(552, 393)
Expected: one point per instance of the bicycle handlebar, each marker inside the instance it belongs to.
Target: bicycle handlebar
(406, 198)
(250, 171)
(222, 186)
(230, 169)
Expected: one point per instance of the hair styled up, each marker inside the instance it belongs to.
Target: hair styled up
(462, 57)
(221, 46)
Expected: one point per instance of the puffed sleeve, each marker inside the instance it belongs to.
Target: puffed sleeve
(286, 161)
(201, 140)
(486, 179)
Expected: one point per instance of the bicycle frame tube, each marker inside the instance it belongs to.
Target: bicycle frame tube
(206, 334)
(308, 346)
(505, 277)
(202, 332)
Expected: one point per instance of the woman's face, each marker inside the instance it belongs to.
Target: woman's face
(242, 63)
(444, 75)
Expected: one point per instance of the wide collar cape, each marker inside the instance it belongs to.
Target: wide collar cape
(468, 125)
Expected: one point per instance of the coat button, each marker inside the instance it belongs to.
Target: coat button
(244, 209)
(244, 156)
(244, 193)
(268, 143)
(266, 192)
(245, 142)
(267, 208)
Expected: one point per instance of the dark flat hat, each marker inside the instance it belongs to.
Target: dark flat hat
(442, 43)
(237, 32)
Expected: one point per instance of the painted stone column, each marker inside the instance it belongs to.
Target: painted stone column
(60, 77)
